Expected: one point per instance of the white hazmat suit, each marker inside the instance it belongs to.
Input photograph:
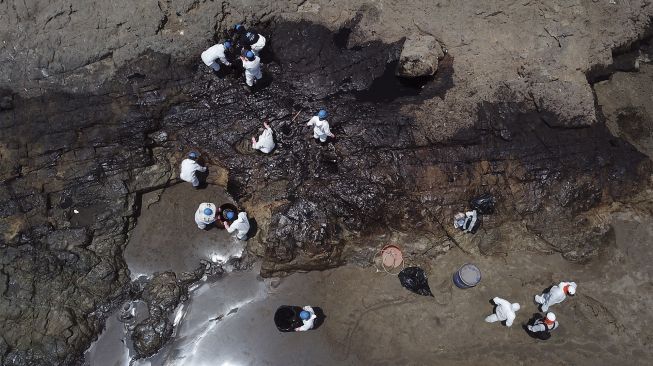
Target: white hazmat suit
(556, 295)
(240, 226)
(258, 46)
(252, 70)
(540, 326)
(265, 142)
(213, 53)
(188, 169)
(201, 219)
(321, 128)
(308, 324)
(504, 311)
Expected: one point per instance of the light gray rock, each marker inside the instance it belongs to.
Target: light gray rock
(419, 56)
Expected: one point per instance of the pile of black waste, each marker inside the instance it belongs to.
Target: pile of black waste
(414, 279)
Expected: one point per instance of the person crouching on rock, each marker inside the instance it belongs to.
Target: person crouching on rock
(250, 39)
(205, 215)
(240, 226)
(252, 66)
(189, 167)
(265, 142)
(321, 130)
(308, 317)
(542, 326)
(217, 54)
(466, 221)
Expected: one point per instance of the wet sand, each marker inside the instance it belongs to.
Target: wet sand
(167, 238)
(372, 320)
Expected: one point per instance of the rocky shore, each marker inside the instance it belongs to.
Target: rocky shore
(98, 106)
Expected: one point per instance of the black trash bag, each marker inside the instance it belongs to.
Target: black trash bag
(414, 279)
(286, 318)
(538, 335)
(483, 204)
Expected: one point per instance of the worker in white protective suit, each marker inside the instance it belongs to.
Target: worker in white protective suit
(252, 66)
(465, 221)
(504, 311)
(556, 295)
(307, 315)
(216, 55)
(546, 324)
(205, 215)
(240, 226)
(266, 141)
(321, 130)
(188, 168)
(250, 38)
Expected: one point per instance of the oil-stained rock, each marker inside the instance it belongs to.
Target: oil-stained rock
(162, 293)
(73, 163)
(419, 56)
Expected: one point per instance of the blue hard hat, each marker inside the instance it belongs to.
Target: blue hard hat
(238, 27)
(250, 55)
(193, 155)
(227, 44)
(208, 211)
(305, 315)
(322, 114)
(230, 215)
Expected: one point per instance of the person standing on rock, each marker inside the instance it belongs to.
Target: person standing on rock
(205, 215)
(504, 311)
(265, 142)
(252, 65)
(543, 325)
(250, 39)
(556, 295)
(307, 315)
(240, 226)
(189, 167)
(321, 130)
(216, 55)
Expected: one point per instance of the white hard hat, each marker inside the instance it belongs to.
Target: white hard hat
(572, 290)
(551, 317)
(515, 306)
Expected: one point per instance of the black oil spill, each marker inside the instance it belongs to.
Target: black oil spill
(389, 87)
(341, 38)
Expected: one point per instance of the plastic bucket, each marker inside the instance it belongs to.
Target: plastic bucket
(286, 318)
(467, 276)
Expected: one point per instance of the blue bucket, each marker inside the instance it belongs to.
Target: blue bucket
(467, 276)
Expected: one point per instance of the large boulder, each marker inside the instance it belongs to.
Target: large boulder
(420, 56)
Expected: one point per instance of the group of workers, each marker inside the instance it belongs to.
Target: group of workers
(248, 44)
(541, 325)
(207, 213)
(321, 132)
